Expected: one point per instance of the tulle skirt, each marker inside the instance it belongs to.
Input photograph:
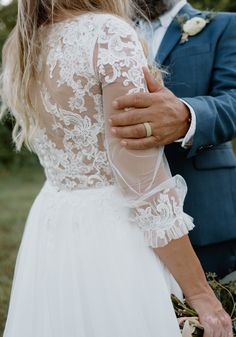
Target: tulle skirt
(84, 271)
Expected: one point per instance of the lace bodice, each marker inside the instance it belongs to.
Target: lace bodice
(85, 63)
(70, 142)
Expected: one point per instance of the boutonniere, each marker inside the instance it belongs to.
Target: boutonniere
(193, 26)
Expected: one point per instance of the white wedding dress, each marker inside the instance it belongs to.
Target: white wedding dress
(86, 267)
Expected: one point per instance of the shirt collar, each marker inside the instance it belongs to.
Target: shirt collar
(167, 18)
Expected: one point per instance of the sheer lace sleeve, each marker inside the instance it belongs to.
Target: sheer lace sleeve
(154, 197)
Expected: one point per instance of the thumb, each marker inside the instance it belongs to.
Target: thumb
(152, 84)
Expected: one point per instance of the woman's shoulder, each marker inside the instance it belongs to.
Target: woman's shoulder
(103, 17)
(108, 21)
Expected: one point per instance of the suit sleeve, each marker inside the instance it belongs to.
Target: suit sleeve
(216, 113)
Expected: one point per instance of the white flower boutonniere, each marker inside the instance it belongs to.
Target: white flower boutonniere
(193, 26)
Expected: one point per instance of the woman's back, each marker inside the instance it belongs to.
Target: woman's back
(68, 98)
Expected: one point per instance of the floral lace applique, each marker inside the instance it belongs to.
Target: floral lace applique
(164, 219)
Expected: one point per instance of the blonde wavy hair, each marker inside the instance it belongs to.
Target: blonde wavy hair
(22, 47)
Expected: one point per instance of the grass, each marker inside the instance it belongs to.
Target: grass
(18, 188)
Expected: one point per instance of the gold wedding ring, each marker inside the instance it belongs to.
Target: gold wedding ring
(148, 129)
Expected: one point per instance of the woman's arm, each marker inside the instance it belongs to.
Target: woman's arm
(182, 262)
(154, 197)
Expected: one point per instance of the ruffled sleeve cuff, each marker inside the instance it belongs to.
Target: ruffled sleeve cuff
(160, 237)
(162, 218)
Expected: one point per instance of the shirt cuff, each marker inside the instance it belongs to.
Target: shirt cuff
(187, 141)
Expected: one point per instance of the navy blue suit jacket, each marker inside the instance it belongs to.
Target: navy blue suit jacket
(202, 71)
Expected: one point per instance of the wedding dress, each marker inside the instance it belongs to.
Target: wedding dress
(86, 267)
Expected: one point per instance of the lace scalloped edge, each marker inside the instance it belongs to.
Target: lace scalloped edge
(156, 238)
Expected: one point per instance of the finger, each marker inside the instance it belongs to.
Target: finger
(152, 84)
(131, 117)
(139, 144)
(139, 100)
(135, 131)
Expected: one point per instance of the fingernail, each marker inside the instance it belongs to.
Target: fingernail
(115, 104)
(124, 143)
(113, 130)
(110, 121)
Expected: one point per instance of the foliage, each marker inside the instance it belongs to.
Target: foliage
(8, 155)
(7, 21)
(219, 5)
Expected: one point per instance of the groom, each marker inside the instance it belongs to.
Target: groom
(199, 127)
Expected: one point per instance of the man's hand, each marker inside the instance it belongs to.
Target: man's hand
(168, 116)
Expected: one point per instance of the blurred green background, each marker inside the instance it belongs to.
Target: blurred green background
(21, 176)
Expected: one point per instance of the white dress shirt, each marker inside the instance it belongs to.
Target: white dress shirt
(165, 21)
(154, 42)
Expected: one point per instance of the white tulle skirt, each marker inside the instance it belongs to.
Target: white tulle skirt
(84, 271)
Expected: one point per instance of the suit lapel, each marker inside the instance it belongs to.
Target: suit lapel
(173, 34)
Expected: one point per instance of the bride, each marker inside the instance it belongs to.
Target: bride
(107, 231)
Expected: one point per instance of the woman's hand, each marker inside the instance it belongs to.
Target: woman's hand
(213, 318)
(182, 262)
